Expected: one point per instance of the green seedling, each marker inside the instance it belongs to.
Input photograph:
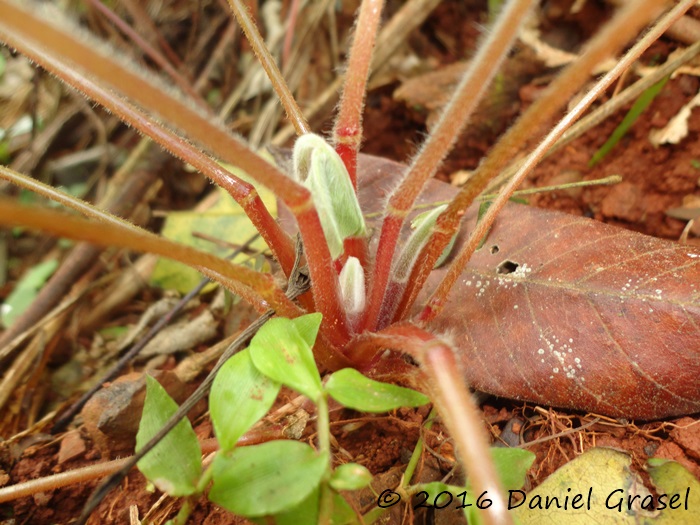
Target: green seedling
(283, 479)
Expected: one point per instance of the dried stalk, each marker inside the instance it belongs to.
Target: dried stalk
(40, 40)
(268, 63)
(412, 14)
(439, 296)
(626, 23)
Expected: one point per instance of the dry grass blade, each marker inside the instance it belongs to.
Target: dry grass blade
(255, 287)
(628, 21)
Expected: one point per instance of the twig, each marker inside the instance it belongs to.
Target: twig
(125, 189)
(297, 285)
(68, 416)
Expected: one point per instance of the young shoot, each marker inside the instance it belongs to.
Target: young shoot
(318, 167)
(285, 480)
(352, 287)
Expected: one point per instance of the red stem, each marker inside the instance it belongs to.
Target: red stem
(439, 296)
(456, 407)
(22, 29)
(347, 132)
(326, 287)
(627, 22)
(454, 117)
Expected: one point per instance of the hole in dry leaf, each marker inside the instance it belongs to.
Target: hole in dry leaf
(495, 249)
(410, 360)
(506, 267)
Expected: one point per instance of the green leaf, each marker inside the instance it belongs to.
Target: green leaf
(282, 351)
(350, 476)
(342, 512)
(225, 220)
(26, 291)
(512, 465)
(266, 479)
(633, 114)
(424, 226)
(321, 170)
(240, 396)
(175, 464)
(306, 513)
(353, 390)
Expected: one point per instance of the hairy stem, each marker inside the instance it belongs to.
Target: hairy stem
(35, 42)
(439, 296)
(454, 117)
(42, 41)
(247, 283)
(411, 15)
(268, 63)
(456, 407)
(67, 200)
(626, 23)
(347, 132)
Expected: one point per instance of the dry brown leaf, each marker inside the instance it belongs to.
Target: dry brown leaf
(569, 312)
(677, 128)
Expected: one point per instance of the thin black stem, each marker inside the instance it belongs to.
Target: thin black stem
(76, 407)
(298, 284)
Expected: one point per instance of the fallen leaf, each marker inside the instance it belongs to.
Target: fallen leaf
(600, 487)
(225, 220)
(677, 128)
(566, 311)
